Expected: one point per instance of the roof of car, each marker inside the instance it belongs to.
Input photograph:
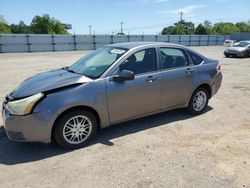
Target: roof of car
(130, 45)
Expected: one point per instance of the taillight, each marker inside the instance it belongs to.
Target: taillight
(219, 68)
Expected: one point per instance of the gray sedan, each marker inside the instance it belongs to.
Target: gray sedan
(112, 84)
(239, 49)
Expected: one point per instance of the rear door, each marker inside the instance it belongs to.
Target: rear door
(136, 97)
(178, 77)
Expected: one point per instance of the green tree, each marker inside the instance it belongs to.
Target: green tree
(181, 28)
(46, 25)
(189, 27)
(170, 30)
(221, 28)
(185, 28)
(243, 27)
(208, 25)
(20, 28)
(200, 30)
(4, 28)
(224, 28)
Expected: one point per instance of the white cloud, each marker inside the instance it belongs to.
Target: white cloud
(189, 9)
(186, 10)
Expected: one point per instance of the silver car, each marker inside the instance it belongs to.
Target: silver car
(117, 83)
(229, 43)
(239, 49)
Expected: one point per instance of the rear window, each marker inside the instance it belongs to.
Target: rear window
(195, 58)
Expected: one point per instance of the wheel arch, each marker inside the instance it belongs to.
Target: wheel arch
(207, 87)
(202, 85)
(79, 107)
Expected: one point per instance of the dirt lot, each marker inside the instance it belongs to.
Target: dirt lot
(171, 149)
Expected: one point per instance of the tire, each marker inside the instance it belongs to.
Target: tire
(246, 54)
(193, 107)
(75, 129)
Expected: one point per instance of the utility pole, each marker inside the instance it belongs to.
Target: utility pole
(180, 22)
(121, 26)
(181, 14)
(90, 26)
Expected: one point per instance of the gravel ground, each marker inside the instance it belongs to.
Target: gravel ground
(171, 149)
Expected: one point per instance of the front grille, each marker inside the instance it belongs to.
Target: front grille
(233, 51)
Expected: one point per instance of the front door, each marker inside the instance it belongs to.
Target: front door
(133, 98)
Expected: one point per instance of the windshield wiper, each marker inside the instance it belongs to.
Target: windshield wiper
(72, 71)
(69, 70)
(65, 68)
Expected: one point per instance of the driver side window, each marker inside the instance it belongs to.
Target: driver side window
(141, 62)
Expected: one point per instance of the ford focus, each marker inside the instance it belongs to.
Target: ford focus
(113, 84)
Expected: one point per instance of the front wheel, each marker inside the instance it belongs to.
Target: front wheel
(198, 102)
(75, 129)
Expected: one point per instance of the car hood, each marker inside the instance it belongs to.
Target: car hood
(47, 81)
(238, 49)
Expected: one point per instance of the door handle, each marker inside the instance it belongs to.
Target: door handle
(189, 71)
(150, 78)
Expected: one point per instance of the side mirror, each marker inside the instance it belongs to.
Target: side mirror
(123, 76)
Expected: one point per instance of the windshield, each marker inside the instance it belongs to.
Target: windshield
(241, 44)
(94, 64)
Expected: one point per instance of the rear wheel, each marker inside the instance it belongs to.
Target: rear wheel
(75, 129)
(199, 100)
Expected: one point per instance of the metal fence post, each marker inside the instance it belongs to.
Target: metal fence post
(53, 42)
(156, 38)
(208, 40)
(128, 38)
(111, 39)
(190, 38)
(94, 43)
(28, 42)
(74, 40)
(179, 39)
(142, 38)
(199, 40)
(1, 44)
(168, 38)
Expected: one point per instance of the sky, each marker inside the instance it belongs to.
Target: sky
(138, 16)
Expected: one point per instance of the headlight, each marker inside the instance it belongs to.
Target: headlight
(23, 106)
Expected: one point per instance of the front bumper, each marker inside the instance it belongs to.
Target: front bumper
(34, 127)
(233, 54)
